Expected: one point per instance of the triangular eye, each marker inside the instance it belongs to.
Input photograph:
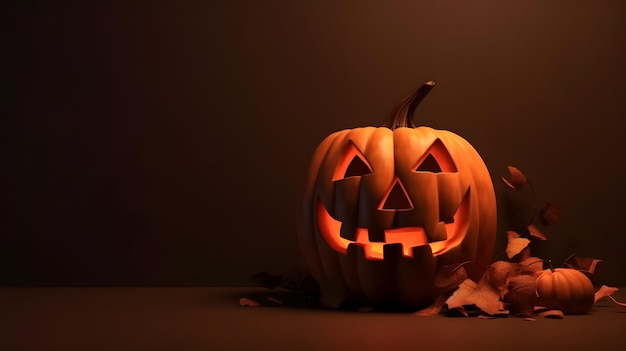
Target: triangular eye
(357, 167)
(429, 165)
(352, 164)
(436, 159)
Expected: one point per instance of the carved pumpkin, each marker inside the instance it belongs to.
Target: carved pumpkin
(565, 289)
(385, 207)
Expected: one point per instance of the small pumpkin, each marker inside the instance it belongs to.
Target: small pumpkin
(385, 207)
(565, 289)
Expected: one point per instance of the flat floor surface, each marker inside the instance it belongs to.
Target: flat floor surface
(211, 319)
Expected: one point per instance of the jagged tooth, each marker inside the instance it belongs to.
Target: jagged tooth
(392, 252)
(415, 278)
(349, 266)
(376, 235)
(422, 251)
(355, 250)
(348, 231)
(376, 276)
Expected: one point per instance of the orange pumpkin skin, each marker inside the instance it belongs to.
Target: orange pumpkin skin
(385, 207)
(565, 289)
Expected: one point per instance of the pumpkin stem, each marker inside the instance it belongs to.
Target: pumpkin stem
(550, 264)
(402, 114)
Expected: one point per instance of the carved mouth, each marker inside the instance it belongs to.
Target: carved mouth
(409, 237)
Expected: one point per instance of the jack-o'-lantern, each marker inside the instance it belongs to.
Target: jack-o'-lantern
(385, 207)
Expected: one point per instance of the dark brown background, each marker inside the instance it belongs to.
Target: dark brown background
(165, 143)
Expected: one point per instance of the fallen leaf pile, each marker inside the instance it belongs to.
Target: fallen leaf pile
(504, 289)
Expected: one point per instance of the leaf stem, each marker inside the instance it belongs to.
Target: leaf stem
(532, 263)
(617, 302)
(466, 262)
(568, 257)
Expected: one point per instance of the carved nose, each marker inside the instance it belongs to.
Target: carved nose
(396, 198)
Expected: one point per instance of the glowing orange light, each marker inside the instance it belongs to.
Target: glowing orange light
(409, 237)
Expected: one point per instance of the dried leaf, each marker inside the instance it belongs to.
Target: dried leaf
(474, 270)
(298, 282)
(522, 256)
(536, 233)
(531, 265)
(550, 214)
(275, 300)
(433, 309)
(246, 302)
(522, 294)
(554, 314)
(500, 271)
(482, 294)
(617, 302)
(516, 180)
(450, 276)
(585, 264)
(523, 231)
(515, 244)
(604, 291)
(548, 313)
